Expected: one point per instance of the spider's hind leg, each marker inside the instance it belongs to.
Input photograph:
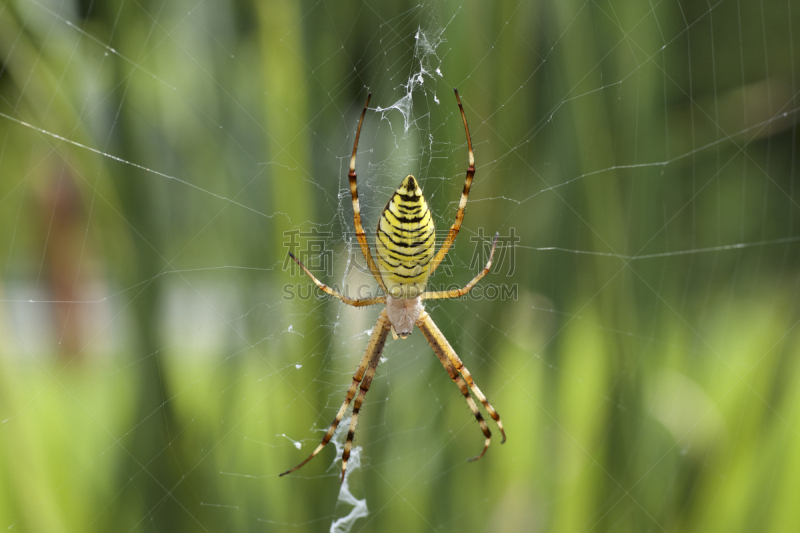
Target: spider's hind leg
(361, 236)
(462, 203)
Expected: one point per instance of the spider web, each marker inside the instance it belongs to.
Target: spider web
(162, 361)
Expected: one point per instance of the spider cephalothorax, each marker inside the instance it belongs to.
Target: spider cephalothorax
(406, 259)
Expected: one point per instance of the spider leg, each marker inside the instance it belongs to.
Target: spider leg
(360, 235)
(451, 370)
(433, 334)
(355, 302)
(456, 293)
(371, 358)
(365, 383)
(462, 204)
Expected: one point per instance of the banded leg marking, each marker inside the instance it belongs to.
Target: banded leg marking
(360, 235)
(355, 302)
(462, 386)
(457, 293)
(462, 204)
(425, 323)
(373, 353)
(365, 383)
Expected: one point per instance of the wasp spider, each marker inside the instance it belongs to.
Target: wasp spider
(405, 246)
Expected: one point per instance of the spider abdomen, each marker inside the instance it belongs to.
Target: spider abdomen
(406, 239)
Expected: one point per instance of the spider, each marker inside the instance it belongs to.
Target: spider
(405, 247)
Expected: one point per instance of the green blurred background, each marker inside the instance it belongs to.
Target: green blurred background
(154, 157)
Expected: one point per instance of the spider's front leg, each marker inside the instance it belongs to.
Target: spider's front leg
(452, 363)
(363, 376)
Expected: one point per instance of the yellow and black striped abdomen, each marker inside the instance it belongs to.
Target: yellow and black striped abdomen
(406, 238)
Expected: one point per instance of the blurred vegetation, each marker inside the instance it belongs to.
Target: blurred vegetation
(154, 155)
